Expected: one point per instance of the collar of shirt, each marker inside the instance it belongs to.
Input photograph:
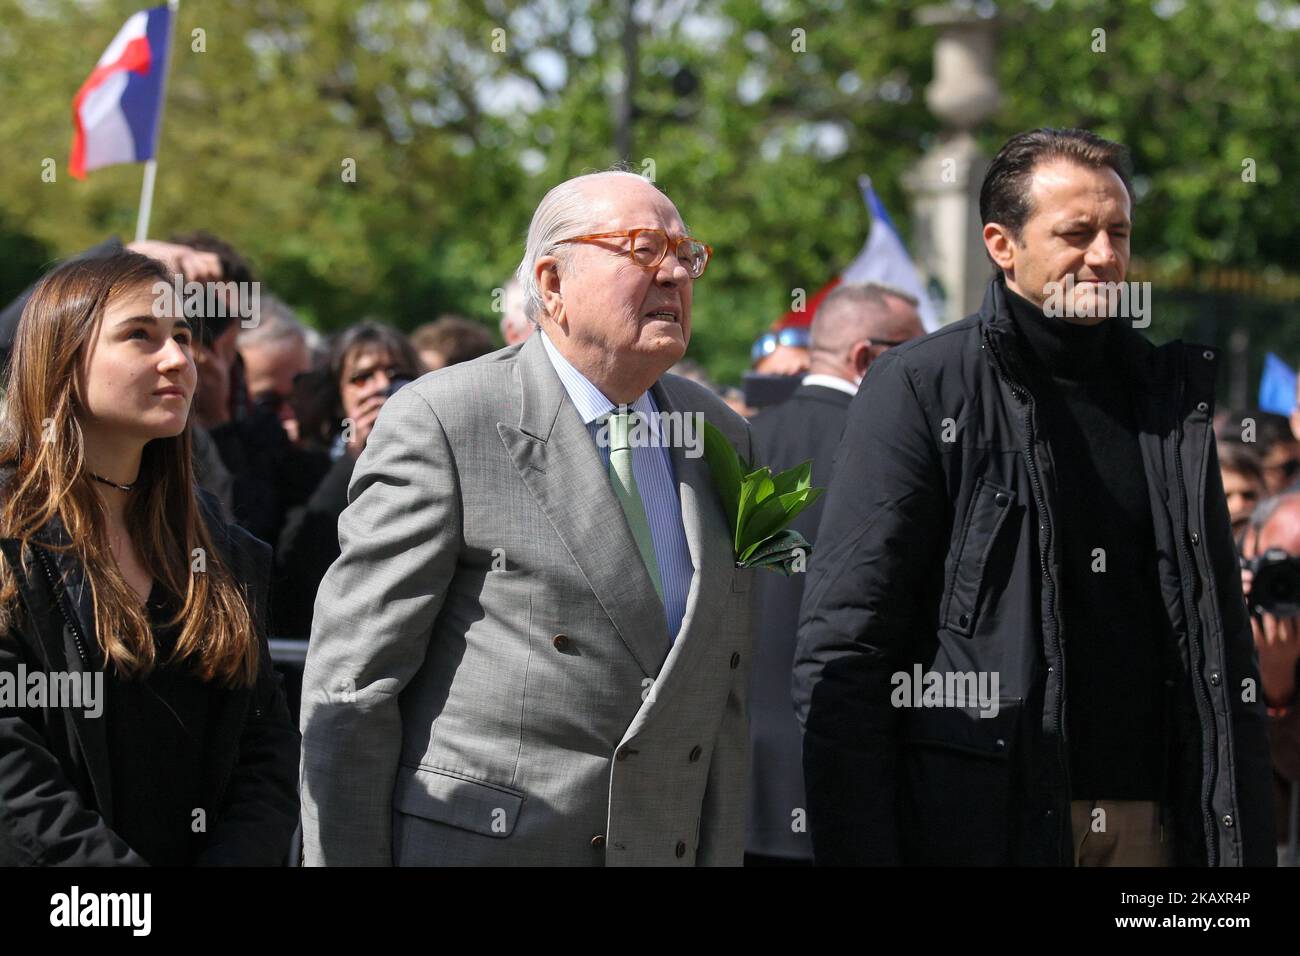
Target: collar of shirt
(830, 381)
(590, 401)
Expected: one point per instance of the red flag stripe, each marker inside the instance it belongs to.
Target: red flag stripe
(136, 58)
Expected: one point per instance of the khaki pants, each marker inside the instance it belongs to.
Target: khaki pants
(1119, 833)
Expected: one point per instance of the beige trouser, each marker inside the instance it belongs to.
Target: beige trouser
(1119, 833)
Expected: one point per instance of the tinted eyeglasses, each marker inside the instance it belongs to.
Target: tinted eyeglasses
(647, 248)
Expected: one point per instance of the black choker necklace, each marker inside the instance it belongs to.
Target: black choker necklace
(113, 483)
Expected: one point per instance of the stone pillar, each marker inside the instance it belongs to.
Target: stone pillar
(945, 184)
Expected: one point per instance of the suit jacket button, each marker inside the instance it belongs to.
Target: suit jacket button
(695, 753)
(561, 642)
(735, 660)
(598, 840)
(681, 849)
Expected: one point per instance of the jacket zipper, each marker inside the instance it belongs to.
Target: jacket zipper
(1026, 399)
(1194, 632)
(81, 650)
(54, 586)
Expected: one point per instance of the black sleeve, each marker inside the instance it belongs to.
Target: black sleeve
(270, 476)
(259, 810)
(308, 545)
(43, 819)
(879, 538)
(1252, 771)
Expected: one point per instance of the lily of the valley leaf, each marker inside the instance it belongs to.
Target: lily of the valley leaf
(760, 505)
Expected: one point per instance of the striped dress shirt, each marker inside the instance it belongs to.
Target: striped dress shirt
(652, 469)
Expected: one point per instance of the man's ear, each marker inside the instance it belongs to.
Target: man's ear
(546, 272)
(860, 358)
(1001, 246)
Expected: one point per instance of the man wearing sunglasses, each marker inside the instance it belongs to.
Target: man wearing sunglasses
(855, 325)
(535, 644)
(781, 352)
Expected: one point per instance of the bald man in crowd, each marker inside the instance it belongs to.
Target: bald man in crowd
(853, 327)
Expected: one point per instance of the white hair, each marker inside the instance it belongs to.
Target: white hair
(276, 324)
(564, 212)
(512, 308)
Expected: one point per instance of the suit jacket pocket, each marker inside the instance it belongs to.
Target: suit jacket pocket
(988, 509)
(457, 800)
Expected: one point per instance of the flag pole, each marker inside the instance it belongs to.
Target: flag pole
(151, 165)
(146, 200)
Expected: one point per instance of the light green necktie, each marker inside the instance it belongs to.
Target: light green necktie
(620, 476)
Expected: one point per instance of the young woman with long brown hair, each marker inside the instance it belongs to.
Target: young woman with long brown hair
(116, 570)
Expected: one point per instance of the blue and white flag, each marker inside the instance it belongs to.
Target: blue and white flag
(884, 258)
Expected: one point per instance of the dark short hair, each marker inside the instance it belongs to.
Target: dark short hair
(371, 336)
(1270, 428)
(456, 339)
(1242, 459)
(1004, 195)
(234, 268)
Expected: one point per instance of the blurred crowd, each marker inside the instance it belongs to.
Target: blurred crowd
(1259, 460)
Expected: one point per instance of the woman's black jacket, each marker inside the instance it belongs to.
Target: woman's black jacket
(55, 784)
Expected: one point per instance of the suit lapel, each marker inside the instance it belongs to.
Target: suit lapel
(710, 542)
(557, 460)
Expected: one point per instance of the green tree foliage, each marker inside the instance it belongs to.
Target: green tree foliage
(756, 117)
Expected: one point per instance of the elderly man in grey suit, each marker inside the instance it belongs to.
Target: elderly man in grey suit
(534, 647)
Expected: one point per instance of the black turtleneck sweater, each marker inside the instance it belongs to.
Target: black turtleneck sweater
(1114, 624)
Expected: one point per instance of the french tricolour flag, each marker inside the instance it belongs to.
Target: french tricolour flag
(883, 258)
(117, 111)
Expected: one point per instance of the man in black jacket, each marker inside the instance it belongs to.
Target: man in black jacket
(1023, 639)
(853, 327)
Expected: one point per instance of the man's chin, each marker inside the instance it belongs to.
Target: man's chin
(663, 331)
(667, 344)
(1090, 304)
